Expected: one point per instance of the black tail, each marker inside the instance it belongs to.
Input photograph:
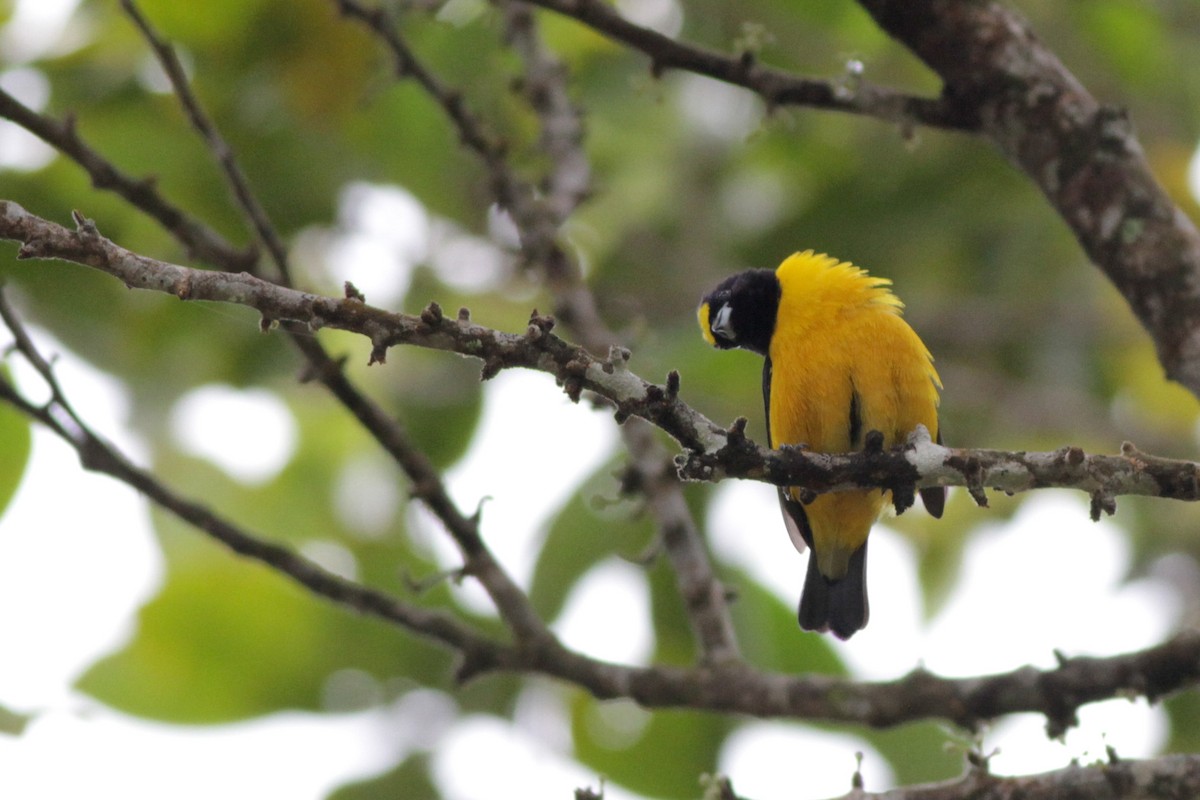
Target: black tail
(836, 605)
(934, 497)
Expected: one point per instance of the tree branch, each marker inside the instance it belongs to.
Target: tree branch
(775, 87)
(650, 470)
(730, 686)
(1083, 156)
(1000, 81)
(216, 144)
(544, 85)
(713, 452)
(510, 600)
(200, 241)
(97, 455)
(921, 463)
(1057, 694)
(1163, 778)
(538, 215)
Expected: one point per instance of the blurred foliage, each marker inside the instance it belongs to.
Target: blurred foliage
(12, 723)
(14, 444)
(692, 180)
(409, 778)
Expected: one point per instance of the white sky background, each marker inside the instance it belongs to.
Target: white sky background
(57, 615)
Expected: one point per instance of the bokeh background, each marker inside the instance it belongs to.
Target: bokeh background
(138, 656)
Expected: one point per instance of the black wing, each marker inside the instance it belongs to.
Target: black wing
(856, 431)
(794, 518)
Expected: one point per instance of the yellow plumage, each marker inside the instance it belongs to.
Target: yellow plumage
(838, 333)
(840, 362)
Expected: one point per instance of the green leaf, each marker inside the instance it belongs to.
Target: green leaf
(589, 528)
(15, 443)
(917, 752)
(409, 778)
(228, 639)
(658, 754)
(1183, 710)
(770, 636)
(13, 723)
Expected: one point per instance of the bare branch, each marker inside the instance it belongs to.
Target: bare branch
(729, 686)
(1083, 156)
(544, 84)
(921, 463)
(97, 455)
(1162, 778)
(1057, 693)
(538, 215)
(200, 240)
(246, 200)
(714, 453)
(650, 471)
(510, 600)
(428, 487)
(776, 87)
(1003, 83)
(406, 65)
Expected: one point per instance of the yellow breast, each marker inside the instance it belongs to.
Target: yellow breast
(839, 341)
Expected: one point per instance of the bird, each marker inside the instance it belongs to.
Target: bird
(839, 362)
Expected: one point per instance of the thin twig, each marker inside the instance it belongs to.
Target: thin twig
(544, 85)
(198, 239)
(1082, 155)
(729, 687)
(238, 183)
(510, 600)
(566, 184)
(538, 216)
(775, 87)
(711, 452)
(98, 455)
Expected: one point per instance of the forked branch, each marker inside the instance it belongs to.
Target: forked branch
(711, 452)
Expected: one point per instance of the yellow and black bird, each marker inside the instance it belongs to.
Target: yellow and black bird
(839, 362)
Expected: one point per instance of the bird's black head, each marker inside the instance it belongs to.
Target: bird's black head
(740, 311)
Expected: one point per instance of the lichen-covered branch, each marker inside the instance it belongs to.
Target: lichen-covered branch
(1162, 778)
(538, 212)
(201, 241)
(238, 184)
(1083, 156)
(100, 456)
(711, 452)
(1002, 83)
(730, 686)
(510, 601)
(776, 87)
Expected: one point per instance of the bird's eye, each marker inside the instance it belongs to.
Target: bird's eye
(721, 327)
